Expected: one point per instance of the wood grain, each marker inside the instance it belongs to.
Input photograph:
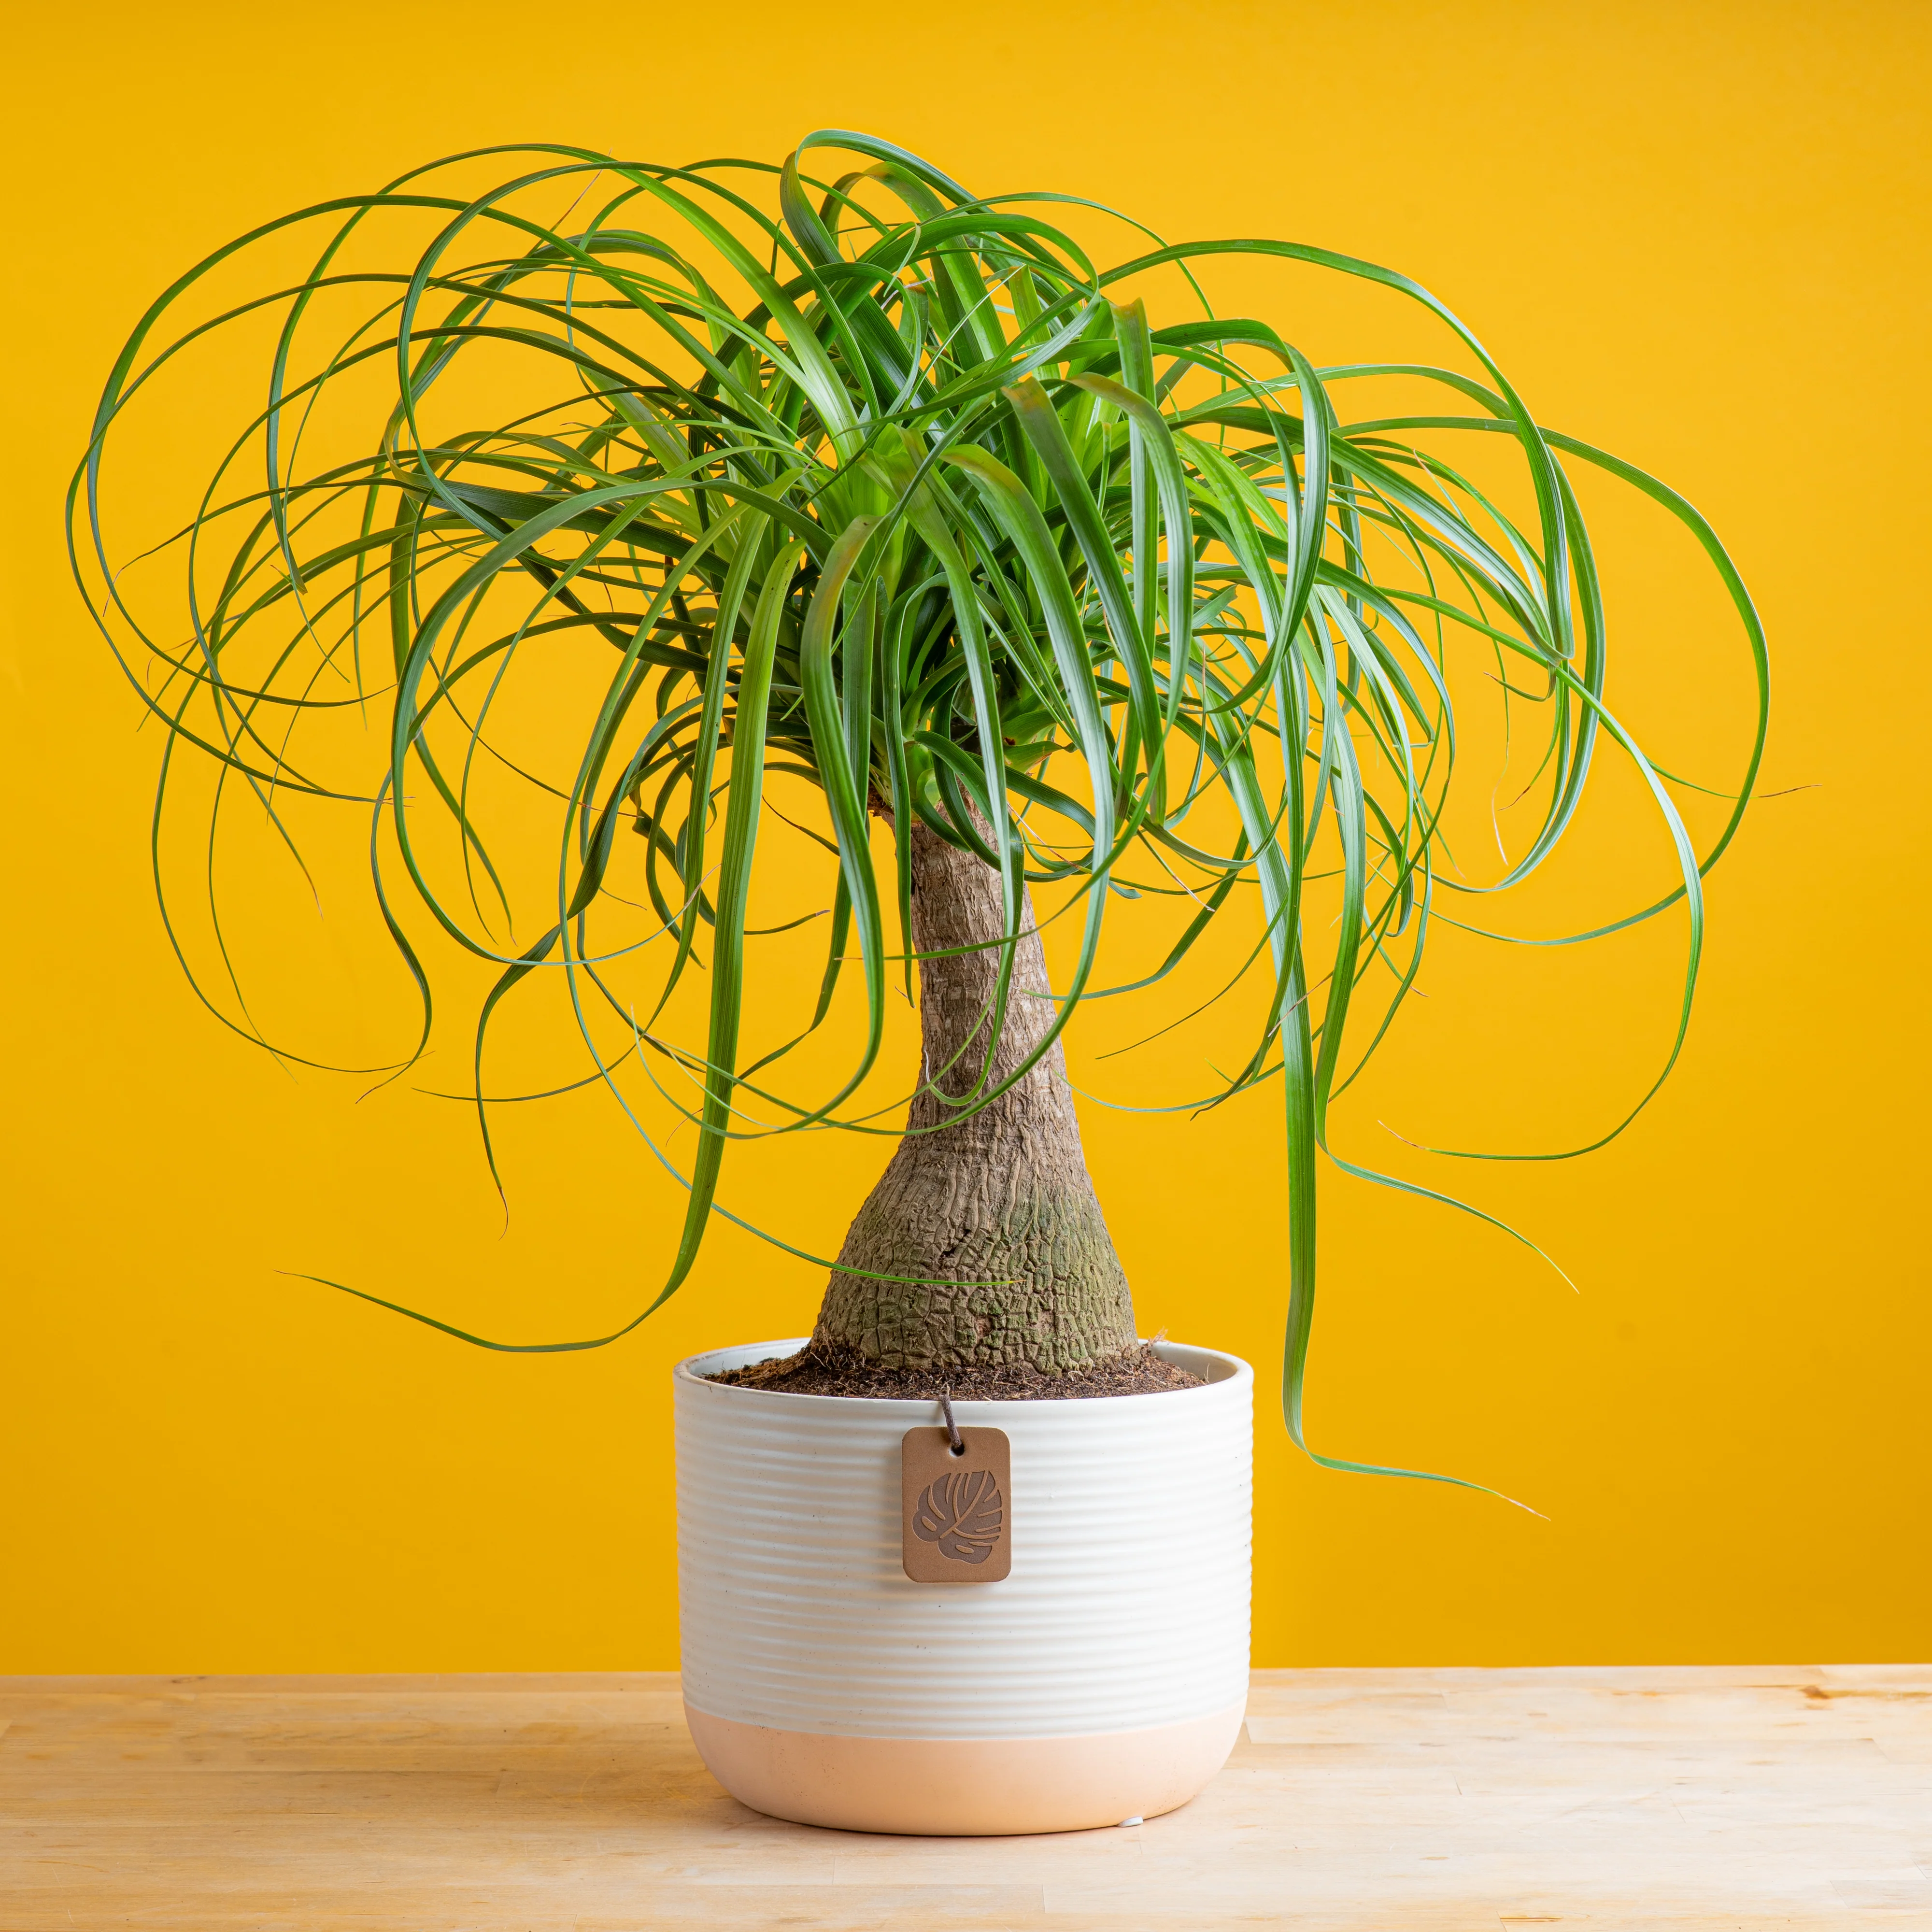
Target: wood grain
(1429, 1801)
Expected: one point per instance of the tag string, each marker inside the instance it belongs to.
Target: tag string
(955, 1439)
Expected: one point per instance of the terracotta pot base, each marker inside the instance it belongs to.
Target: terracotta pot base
(965, 1787)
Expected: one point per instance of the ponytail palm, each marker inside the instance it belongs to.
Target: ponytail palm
(848, 476)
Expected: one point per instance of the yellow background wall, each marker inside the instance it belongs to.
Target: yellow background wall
(1695, 233)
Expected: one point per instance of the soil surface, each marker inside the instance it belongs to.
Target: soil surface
(1137, 1371)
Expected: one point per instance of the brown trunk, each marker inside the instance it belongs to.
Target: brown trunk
(992, 1223)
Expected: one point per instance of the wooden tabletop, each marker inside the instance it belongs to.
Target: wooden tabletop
(1409, 1799)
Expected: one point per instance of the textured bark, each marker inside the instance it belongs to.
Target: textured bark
(1002, 1197)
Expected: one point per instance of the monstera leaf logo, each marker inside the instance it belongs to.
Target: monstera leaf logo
(961, 1513)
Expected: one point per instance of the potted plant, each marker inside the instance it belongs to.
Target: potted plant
(853, 484)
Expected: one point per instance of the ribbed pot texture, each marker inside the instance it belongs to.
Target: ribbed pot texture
(1104, 1679)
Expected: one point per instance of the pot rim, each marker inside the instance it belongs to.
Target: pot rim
(918, 1408)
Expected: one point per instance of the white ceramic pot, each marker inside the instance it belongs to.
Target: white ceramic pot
(1103, 1680)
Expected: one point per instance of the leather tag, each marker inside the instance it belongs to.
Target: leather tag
(958, 1511)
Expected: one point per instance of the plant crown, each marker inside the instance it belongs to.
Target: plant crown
(859, 479)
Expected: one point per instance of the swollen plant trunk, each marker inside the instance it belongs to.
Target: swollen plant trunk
(991, 1223)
